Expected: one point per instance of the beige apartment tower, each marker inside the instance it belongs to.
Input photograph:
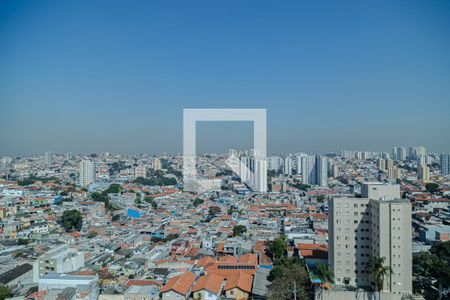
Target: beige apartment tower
(378, 224)
(140, 171)
(87, 173)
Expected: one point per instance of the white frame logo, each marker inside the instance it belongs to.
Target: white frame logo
(255, 168)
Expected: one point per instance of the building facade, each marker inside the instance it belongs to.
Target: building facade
(378, 224)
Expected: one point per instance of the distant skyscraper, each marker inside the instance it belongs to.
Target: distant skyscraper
(378, 224)
(416, 151)
(48, 159)
(315, 170)
(69, 155)
(274, 163)
(402, 153)
(253, 172)
(322, 170)
(87, 173)
(308, 169)
(399, 153)
(421, 160)
(445, 164)
(287, 167)
(260, 175)
(347, 154)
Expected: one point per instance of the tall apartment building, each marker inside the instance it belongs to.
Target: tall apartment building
(445, 164)
(87, 173)
(140, 171)
(322, 170)
(157, 164)
(61, 259)
(287, 167)
(381, 164)
(399, 153)
(253, 172)
(274, 163)
(314, 170)
(393, 172)
(423, 172)
(308, 164)
(48, 159)
(378, 224)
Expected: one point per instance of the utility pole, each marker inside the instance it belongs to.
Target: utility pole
(295, 290)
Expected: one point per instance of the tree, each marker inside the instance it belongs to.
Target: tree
(277, 248)
(288, 276)
(239, 230)
(113, 189)
(214, 210)
(378, 271)
(326, 276)
(432, 187)
(72, 219)
(171, 236)
(320, 198)
(325, 273)
(5, 292)
(302, 187)
(434, 266)
(197, 201)
(115, 218)
(154, 205)
(92, 234)
(25, 182)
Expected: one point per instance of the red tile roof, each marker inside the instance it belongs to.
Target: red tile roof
(180, 284)
(210, 282)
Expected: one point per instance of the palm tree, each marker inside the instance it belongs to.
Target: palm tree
(326, 276)
(378, 272)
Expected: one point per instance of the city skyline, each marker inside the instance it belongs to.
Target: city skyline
(331, 77)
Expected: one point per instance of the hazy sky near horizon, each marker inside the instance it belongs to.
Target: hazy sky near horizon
(91, 76)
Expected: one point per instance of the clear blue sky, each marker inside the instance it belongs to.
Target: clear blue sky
(89, 76)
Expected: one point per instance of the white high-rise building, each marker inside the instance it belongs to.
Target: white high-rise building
(314, 170)
(287, 166)
(87, 172)
(308, 164)
(260, 175)
(347, 154)
(445, 164)
(69, 155)
(298, 161)
(48, 159)
(399, 153)
(322, 170)
(379, 225)
(253, 172)
(274, 163)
